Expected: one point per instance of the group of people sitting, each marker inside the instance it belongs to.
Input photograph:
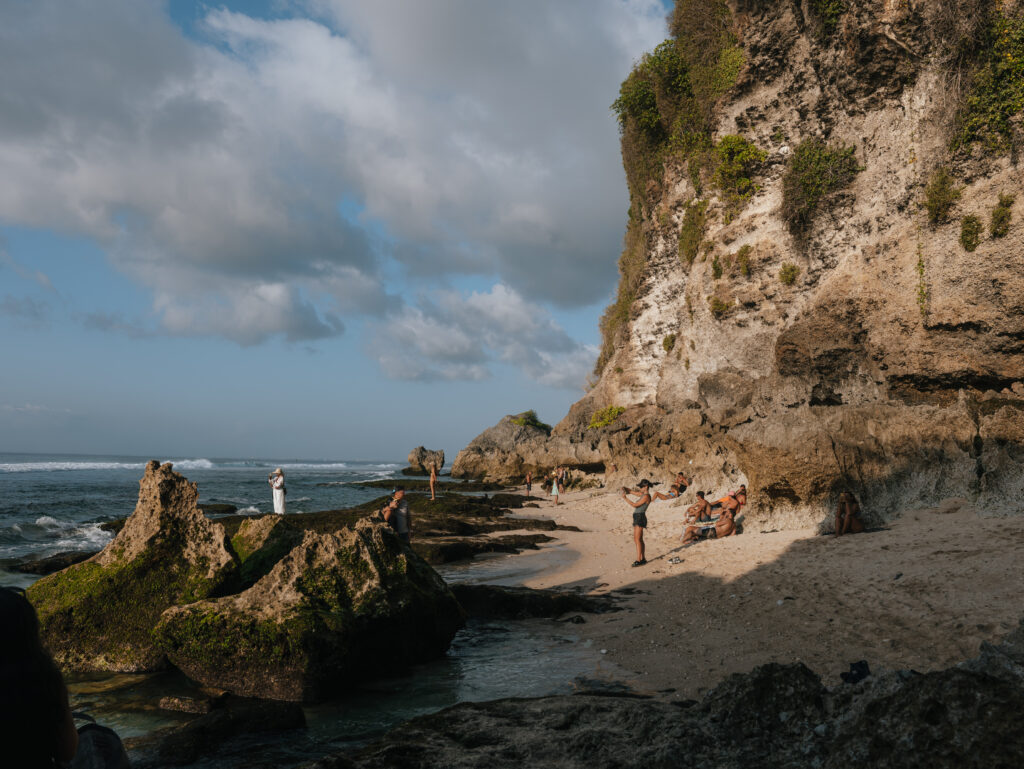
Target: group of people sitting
(703, 519)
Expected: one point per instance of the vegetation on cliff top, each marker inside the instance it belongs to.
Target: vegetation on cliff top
(665, 110)
(529, 419)
(990, 114)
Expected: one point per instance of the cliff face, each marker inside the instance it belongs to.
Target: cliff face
(856, 344)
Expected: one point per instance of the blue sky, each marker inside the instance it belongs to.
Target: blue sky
(324, 228)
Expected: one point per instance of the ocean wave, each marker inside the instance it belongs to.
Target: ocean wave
(315, 466)
(249, 510)
(49, 467)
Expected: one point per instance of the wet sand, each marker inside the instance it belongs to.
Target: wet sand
(922, 594)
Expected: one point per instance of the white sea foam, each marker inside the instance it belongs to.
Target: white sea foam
(249, 510)
(49, 522)
(316, 466)
(88, 536)
(35, 467)
(192, 464)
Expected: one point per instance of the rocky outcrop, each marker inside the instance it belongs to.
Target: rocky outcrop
(261, 542)
(501, 602)
(506, 452)
(775, 716)
(420, 460)
(340, 606)
(99, 614)
(892, 363)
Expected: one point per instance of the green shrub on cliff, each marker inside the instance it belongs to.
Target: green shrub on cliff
(691, 233)
(631, 275)
(604, 417)
(738, 159)
(718, 307)
(529, 419)
(970, 232)
(996, 96)
(743, 260)
(940, 194)
(999, 224)
(828, 13)
(814, 171)
(669, 342)
(788, 273)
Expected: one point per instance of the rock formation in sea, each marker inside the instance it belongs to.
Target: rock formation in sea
(775, 716)
(420, 459)
(99, 614)
(822, 285)
(340, 606)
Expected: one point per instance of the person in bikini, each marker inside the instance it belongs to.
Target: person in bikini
(639, 517)
(675, 491)
(848, 515)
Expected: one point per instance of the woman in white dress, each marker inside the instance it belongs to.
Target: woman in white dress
(276, 481)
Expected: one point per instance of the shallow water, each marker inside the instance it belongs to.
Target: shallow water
(487, 660)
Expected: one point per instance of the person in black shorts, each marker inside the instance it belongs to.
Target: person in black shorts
(639, 517)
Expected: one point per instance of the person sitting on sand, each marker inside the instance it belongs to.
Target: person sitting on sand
(712, 528)
(848, 515)
(732, 501)
(639, 517)
(673, 493)
(701, 523)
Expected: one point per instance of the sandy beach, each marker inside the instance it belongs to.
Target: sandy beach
(922, 594)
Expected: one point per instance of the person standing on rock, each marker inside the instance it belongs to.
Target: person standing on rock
(396, 513)
(276, 481)
(639, 517)
(433, 479)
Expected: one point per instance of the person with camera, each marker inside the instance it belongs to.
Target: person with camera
(396, 513)
(276, 481)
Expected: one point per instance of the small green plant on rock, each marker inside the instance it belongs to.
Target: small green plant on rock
(716, 268)
(970, 232)
(743, 260)
(691, 234)
(669, 342)
(719, 307)
(999, 224)
(788, 273)
(814, 171)
(604, 417)
(940, 194)
(828, 13)
(529, 419)
(738, 160)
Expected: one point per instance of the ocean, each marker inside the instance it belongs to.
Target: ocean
(50, 503)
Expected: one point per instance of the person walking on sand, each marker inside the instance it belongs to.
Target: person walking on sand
(639, 517)
(276, 481)
(433, 479)
(529, 482)
(554, 486)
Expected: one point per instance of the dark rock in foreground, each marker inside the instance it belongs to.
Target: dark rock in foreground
(964, 717)
(340, 606)
(51, 563)
(99, 614)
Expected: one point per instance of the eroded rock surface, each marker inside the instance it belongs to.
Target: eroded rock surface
(340, 606)
(99, 614)
(420, 459)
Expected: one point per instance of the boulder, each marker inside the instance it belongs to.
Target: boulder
(260, 543)
(340, 606)
(99, 614)
(420, 460)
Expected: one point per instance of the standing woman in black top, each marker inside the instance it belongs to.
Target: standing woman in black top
(639, 517)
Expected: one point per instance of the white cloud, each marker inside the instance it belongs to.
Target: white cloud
(477, 136)
(459, 337)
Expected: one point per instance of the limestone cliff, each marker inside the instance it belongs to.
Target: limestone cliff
(823, 278)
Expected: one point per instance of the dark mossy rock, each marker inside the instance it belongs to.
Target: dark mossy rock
(99, 614)
(340, 606)
(499, 602)
(234, 716)
(218, 508)
(260, 543)
(438, 550)
(50, 563)
(465, 487)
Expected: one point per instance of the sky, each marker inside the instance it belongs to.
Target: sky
(304, 228)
